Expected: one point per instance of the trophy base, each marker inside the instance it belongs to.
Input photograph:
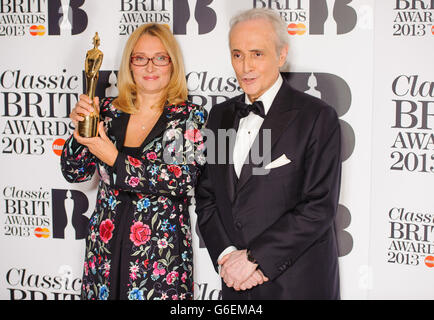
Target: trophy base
(88, 128)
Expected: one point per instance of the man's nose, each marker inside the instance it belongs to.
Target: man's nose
(248, 64)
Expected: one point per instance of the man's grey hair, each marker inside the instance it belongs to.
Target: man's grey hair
(279, 27)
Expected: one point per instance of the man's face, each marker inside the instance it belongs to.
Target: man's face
(254, 57)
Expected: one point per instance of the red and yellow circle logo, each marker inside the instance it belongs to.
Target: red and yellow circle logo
(37, 30)
(42, 232)
(296, 29)
(432, 30)
(429, 261)
(58, 146)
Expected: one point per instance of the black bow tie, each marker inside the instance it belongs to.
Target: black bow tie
(256, 107)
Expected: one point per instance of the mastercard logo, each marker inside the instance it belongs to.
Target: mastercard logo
(37, 30)
(432, 30)
(429, 261)
(296, 29)
(58, 146)
(42, 232)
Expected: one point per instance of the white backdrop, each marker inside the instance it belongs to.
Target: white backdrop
(371, 61)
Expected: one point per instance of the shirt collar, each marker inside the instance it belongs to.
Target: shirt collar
(269, 95)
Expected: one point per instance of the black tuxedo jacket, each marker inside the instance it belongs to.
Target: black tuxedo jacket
(285, 217)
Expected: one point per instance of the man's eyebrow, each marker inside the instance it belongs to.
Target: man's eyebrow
(251, 50)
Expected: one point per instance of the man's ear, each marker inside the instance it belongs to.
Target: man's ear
(282, 55)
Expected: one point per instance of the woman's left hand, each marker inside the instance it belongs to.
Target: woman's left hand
(100, 146)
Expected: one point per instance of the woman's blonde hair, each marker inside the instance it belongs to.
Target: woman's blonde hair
(176, 91)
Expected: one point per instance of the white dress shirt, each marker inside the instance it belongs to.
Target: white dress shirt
(249, 126)
(248, 129)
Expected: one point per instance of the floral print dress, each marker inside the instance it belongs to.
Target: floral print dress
(138, 245)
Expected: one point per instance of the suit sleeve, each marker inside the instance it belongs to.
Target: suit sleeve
(208, 218)
(278, 247)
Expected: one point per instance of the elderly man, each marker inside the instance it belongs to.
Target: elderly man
(269, 226)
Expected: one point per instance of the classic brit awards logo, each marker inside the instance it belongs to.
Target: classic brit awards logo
(186, 16)
(26, 284)
(411, 231)
(42, 17)
(135, 13)
(413, 123)
(25, 212)
(20, 18)
(314, 17)
(413, 18)
(44, 213)
(34, 110)
(411, 235)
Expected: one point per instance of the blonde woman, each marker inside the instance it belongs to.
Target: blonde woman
(148, 156)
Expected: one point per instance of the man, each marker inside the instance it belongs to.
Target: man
(269, 227)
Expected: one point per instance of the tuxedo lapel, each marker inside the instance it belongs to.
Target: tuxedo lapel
(282, 112)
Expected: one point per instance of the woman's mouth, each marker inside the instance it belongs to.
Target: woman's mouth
(150, 78)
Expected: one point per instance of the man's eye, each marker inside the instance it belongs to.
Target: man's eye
(236, 55)
(258, 54)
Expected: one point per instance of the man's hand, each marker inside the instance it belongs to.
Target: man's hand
(238, 272)
(257, 278)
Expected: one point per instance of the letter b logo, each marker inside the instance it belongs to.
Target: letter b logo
(66, 17)
(332, 14)
(205, 16)
(69, 207)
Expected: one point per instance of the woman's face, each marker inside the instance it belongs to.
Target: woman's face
(150, 79)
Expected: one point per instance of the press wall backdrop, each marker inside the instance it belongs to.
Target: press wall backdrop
(371, 60)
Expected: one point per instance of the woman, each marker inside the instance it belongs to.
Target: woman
(148, 156)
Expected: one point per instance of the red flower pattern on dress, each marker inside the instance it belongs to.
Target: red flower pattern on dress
(106, 230)
(134, 181)
(176, 170)
(157, 270)
(171, 277)
(193, 135)
(140, 233)
(134, 162)
(151, 156)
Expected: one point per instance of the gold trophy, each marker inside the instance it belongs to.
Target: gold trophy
(89, 126)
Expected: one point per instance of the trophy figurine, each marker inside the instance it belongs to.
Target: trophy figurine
(89, 126)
